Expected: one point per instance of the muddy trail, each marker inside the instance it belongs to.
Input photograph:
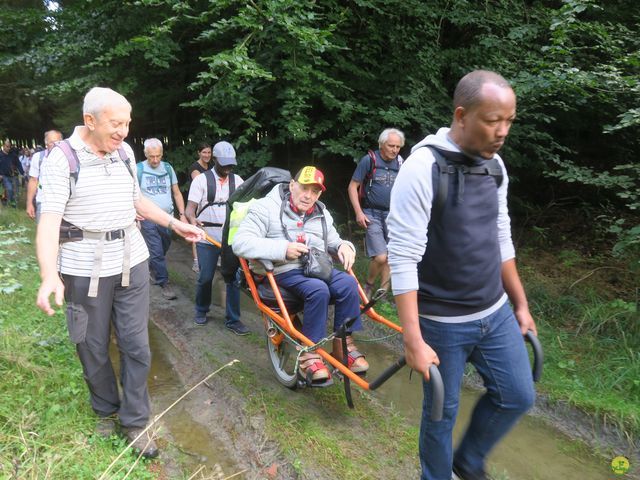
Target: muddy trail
(243, 421)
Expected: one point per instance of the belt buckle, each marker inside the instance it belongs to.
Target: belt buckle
(114, 235)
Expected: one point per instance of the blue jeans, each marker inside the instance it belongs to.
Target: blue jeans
(496, 348)
(158, 241)
(7, 182)
(317, 294)
(208, 260)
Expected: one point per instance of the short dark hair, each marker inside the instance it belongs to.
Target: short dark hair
(202, 145)
(467, 92)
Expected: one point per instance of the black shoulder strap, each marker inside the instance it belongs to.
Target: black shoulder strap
(211, 187)
(441, 187)
(211, 191)
(232, 183)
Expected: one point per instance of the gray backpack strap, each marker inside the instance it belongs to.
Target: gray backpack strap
(125, 158)
(325, 235)
(74, 163)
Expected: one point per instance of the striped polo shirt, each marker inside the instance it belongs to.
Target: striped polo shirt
(104, 198)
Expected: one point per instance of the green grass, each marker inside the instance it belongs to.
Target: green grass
(340, 439)
(46, 422)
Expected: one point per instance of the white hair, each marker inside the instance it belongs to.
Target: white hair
(152, 143)
(384, 136)
(98, 99)
(52, 133)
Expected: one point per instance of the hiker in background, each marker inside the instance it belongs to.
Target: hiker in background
(25, 161)
(206, 207)
(369, 191)
(282, 227)
(196, 168)
(91, 196)
(454, 272)
(10, 171)
(159, 183)
(34, 195)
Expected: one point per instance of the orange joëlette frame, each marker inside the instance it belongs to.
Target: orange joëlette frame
(284, 321)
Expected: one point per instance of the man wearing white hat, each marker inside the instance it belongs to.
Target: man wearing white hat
(206, 207)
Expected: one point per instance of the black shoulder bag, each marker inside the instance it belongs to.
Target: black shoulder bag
(316, 263)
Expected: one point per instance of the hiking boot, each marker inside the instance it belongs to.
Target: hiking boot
(463, 474)
(200, 320)
(195, 267)
(144, 444)
(238, 328)
(106, 426)
(167, 292)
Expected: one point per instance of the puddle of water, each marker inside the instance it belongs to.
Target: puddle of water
(189, 436)
(531, 451)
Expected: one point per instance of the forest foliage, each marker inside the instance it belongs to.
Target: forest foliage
(316, 80)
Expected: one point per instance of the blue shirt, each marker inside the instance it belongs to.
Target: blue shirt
(377, 193)
(155, 184)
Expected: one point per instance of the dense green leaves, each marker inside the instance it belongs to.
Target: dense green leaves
(316, 80)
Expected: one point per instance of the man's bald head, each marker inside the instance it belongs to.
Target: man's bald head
(468, 92)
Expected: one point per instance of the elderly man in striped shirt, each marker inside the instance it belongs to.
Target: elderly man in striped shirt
(91, 195)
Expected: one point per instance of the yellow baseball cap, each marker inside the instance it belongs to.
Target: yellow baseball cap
(310, 176)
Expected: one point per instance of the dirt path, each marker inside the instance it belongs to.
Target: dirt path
(254, 424)
(239, 406)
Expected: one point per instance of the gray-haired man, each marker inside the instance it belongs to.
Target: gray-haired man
(370, 193)
(159, 183)
(105, 271)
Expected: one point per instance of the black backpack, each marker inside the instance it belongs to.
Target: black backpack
(449, 163)
(256, 186)
(211, 195)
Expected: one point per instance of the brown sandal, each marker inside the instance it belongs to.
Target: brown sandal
(313, 369)
(356, 360)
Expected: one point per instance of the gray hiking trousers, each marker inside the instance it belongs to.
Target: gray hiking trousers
(89, 321)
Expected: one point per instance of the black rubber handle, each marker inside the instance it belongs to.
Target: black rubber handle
(435, 380)
(538, 354)
(437, 393)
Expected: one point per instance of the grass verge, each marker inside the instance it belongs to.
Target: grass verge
(347, 450)
(46, 422)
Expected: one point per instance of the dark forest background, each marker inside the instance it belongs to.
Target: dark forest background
(292, 82)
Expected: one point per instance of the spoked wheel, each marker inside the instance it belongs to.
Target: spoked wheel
(283, 361)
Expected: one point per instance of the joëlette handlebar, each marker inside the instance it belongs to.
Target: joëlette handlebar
(538, 354)
(435, 379)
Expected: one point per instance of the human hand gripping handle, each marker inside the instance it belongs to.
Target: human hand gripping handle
(423, 359)
(189, 232)
(47, 287)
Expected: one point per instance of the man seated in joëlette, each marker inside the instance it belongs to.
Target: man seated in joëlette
(283, 234)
